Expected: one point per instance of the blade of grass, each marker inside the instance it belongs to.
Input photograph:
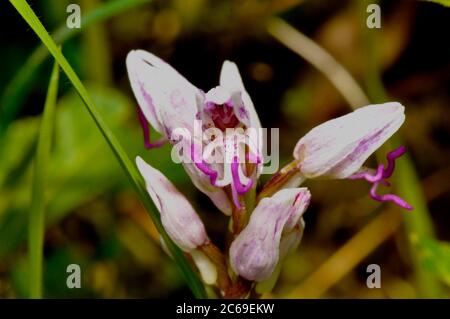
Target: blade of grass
(418, 224)
(131, 171)
(96, 49)
(445, 3)
(36, 222)
(18, 88)
(319, 58)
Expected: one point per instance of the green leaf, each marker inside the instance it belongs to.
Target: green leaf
(135, 178)
(435, 257)
(417, 222)
(18, 88)
(36, 223)
(445, 3)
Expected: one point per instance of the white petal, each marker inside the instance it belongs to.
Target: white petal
(202, 182)
(218, 95)
(255, 252)
(166, 98)
(231, 79)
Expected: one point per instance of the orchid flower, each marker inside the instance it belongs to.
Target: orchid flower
(227, 166)
(169, 103)
(339, 147)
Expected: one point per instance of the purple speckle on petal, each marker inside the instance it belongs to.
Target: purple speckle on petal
(243, 112)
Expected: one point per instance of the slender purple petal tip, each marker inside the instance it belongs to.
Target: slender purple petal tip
(380, 178)
(146, 132)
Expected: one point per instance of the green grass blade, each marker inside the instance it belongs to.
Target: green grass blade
(445, 3)
(18, 88)
(36, 222)
(418, 224)
(135, 178)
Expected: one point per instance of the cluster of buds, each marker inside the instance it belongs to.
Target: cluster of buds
(266, 223)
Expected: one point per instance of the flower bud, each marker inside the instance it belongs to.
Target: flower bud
(178, 217)
(255, 252)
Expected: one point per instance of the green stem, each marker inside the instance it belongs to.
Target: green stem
(131, 171)
(36, 224)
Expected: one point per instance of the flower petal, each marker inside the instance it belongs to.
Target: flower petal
(255, 252)
(201, 181)
(178, 217)
(232, 81)
(339, 147)
(166, 98)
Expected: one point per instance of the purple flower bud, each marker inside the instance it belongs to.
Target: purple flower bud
(178, 217)
(255, 252)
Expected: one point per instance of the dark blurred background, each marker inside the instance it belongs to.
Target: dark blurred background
(95, 219)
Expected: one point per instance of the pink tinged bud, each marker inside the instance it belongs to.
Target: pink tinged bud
(178, 217)
(255, 252)
(339, 147)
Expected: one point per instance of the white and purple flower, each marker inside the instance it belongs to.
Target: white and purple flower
(170, 103)
(226, 167)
